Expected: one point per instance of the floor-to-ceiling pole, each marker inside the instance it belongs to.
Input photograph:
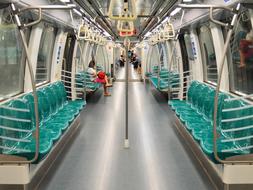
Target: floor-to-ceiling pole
(126, 144)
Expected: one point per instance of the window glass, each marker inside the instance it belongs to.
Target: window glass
(242, 56)
(188, 44)
(208, 54)
(79, 60)
(45, 54)
(100, 59)
(163, 55)
(173, 61)
(12, 57)
(154, 58)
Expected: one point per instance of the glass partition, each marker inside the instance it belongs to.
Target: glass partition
(189, 46)
(78, 59)
(163, 55)
(242, 56)
(44, 60)
(208, 54)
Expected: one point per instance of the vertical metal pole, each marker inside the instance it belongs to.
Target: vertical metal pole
(126, 145)
(114, 64)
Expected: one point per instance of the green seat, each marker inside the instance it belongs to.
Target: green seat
(191, 117)
(154, 81)
(160, 85)
(199, 130)
(55, 115)
(148, 74)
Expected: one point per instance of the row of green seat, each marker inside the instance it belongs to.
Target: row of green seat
(165, 80)
(233, 122)
(17, 121)
(84, 79)
(154, 71)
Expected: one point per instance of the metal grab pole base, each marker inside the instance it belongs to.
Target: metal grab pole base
(126, 144)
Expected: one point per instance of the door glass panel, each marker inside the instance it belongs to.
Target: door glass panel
(208, 54)
(242, 56)
(44, 60)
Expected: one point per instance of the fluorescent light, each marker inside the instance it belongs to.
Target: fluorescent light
(82, 10)
(175, 11)
(187, 1)
(106, 34)
(65, 1)
(77, 12)
(86, 19)
(147, 34)
(165, 20)
(71, 5)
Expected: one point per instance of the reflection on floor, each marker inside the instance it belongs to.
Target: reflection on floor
(96, 160)
(133, 75)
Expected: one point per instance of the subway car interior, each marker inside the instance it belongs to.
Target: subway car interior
(126, 94)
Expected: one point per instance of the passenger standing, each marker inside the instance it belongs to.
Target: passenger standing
(122, 61)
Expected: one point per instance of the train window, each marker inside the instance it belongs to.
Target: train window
(45, 54)
(12, 57)
(208, 54)
(242, 56)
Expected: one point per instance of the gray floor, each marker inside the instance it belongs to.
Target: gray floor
(156, 160)
(133, 75)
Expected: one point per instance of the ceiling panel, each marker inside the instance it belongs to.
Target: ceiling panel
(144, 9)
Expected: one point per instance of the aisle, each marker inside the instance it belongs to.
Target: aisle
(156, 160)
(133, 75)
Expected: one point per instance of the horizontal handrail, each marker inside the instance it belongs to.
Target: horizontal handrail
(236, 119)
(69, 77)
(212, 74)
(17, 149)
(14, 139)
(212, 69)
(14, 109)
(79, 93)
(239, 148)
(237, 129)
(15, 119)
(202, 6)
(69, 82)
(239, 98)
(187, 71)
(237, 139)
(237, 108)
(69, 87)
(66, 71)
(184, 77)
(75, 98)
(15, 129)
(41, 74)
(177, 83)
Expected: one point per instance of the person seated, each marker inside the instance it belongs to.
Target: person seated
(99, 77)
(246, 49)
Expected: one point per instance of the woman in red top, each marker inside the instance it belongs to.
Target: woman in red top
(246, 49)
(100, 77)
